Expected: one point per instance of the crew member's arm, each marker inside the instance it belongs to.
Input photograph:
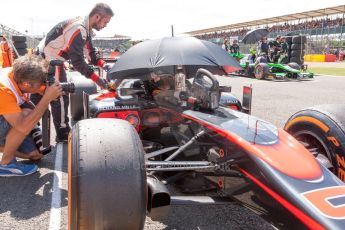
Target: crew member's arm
(76, 54)
(23, 122)
(95, 56)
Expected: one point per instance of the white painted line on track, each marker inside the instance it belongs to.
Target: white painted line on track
(55, 211)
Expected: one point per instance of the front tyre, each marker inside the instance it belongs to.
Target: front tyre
(261, 71)
(106, 176)
(321, 131)
(82, 84)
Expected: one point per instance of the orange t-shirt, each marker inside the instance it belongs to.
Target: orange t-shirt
(8, 101)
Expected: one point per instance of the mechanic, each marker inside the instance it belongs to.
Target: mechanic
(283, 51)
(71, 40)
(262, 58)
(284, 45)
(252, 54)
(263, 46)
(28, 75)
(275, 47)
(234, 48)
(225, 45)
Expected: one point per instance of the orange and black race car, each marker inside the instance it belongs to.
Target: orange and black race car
(130, 143)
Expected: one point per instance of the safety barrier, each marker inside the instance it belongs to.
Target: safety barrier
(321, 58)
(330, 58)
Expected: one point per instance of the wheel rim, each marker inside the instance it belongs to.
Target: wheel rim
(316, 146)
(258, 72)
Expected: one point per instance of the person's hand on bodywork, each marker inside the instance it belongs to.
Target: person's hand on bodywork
(106, 67)
(101, 82)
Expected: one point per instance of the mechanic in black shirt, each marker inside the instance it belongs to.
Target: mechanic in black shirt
(275, 47)
(234, 48)
(284, 46)
(263, 46)
(283, 54)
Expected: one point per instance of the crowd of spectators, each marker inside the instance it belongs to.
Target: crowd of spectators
(313, 24)
(286, 27)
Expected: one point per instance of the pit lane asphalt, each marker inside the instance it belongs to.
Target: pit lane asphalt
(26, 203)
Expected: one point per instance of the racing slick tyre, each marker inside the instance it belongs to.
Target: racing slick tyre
(299, 39)
(22, 52)
(322, 131)
(17, 38)
(106, 176)
(297, 53)
(288, 39)
(294, 65)
(20, 45)
(297, 46)
(82, 84)
(261, 71)
(298, 60)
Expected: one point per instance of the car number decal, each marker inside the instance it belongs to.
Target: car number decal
(329, 201)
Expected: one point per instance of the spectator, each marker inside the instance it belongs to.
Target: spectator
(326, 49)
(284, 27)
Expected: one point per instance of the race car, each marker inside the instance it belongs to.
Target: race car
(274, 71)
(237, 56)
(130, 143)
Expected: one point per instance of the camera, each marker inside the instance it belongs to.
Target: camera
(67, 87)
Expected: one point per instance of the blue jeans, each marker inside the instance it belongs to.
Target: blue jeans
(27, 146)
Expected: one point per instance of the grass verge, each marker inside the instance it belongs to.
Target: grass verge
(328, 71)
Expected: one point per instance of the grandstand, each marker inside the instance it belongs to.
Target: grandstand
(119, 42)
(322, 26)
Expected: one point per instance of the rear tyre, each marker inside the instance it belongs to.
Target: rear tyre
(321, 131)
(17, 38)
(22, 52)
(297, 53)
(261, 71)
(297, 46)
(299, 39)
(297, 60)
(107, 179)
(20, 45)
(288, 39)
(82, 84)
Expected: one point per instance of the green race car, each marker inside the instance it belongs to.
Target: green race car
(237, 56)
(274, 71)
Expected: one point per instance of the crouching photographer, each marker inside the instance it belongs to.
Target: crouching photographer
(18, 121)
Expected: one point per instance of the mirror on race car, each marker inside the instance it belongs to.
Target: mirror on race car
(247, 99)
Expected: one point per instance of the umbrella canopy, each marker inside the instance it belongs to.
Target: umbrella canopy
(254, 36)
(151, 55)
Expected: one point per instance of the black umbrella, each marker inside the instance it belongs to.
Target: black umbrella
(254, 36)
(151, 55)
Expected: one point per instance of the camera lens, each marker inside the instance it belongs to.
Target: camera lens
(68, 87)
